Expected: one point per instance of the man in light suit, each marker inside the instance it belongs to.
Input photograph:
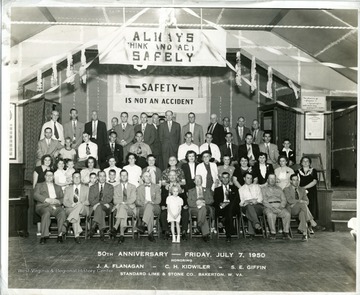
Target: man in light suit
(208, 171)
(124, 201)
(56, 128)
(227, 128)
(125, 134)
(217, 131)
(256, 132)
(170, 138)
(270, 149)
(76, 202)
(199, 199)
(100, 199)
(148, 130)
(97, 131)
(241, 130)
(148, 198)
(74, 129)
(47, 146)
(195, 129)
(49, 198)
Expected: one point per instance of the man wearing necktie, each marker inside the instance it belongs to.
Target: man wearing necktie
(216, 130)
(229, 148)
(113, 149)
(56, 127)
(148, 198)
(297, 205)
(270, 149)
(195, 129)
(74, 129)
(249, 149)
(124, 205)
(228, 128)
(114, 122)
(211, 147)
(256, 132)
(47, 146)
(100, 199)
(241, 130)
(76, 204)
(86, 149)
(148, 130)
(125, 134)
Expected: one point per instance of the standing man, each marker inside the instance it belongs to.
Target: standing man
(256, 132)
(86, 149)
(97, 131)
(56, 128)
(228, 128)
(195, 129)
(229, 149)
(47, 146)
(135, 120)
(249, 149)
(74, 129)
(241, 130)
(187, 146)
(76, 202)
(156, 149)
(211, 147)
(111, 148)
(270, 149)
(100, 199)
(125, 134)
(148, 200)
(49, 199)
(216, 130)
(275, 202)
(170, 137)
(148, 130)
(114, 122)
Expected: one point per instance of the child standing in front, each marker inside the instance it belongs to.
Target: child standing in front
(174, 204)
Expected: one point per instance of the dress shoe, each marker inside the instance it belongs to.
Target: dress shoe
(121, 240)
(66, 225)
(42, 241)
(206, 238)
(141, 229)
(77, 240)
(151, 238)
(311, 231)
(102, 235)
(184, 236)
(286, 236)
(167, 235)
(272, 237)
(91, 232)
(113, 232)
(228, 239)
(251, 237)
(304, 238)
(60, 239)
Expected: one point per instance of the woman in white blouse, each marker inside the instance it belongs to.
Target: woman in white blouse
(60, 174)
(283, 172)
(134, 171)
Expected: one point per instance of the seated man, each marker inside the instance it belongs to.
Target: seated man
(251, 203)
(86, 149)
(274, 201)
(148, 198)
(47, 146)
(200, 199)
(226, 203)
(211, 147)
(140, 149)
(165, 192)
(100, 199)
(112, 149)
(124, 204)
(49, 198)
(297, 204)
(208, 171)
(76, 203)
(185, 147)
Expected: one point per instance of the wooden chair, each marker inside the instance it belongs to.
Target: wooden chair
(316, 163)
(235, 224)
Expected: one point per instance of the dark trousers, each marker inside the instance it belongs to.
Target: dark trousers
(45, 213)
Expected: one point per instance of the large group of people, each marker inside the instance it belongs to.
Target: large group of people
(178, 174)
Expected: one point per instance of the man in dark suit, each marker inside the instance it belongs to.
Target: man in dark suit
(100, 199)
(111, 149)
(156, 148)
(170, 138)
(49, 199)
(217, 131)
(241, 130)
(148, 198)
(226, 203)
(114, 122)
(229, 149)
(97, 131)
(47, 146)
(228, 128)
(148, 130)
(288, 152)
(195, 129)
(125, 134)
(249, 149)
(74, 129)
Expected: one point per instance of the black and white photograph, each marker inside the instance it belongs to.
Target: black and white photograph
(178, 147)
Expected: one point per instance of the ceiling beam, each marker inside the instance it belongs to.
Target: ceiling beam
(278, 18)
(46, 12)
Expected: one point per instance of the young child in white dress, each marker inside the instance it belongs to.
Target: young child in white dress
(174, 204)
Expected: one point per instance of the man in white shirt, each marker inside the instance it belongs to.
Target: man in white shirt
(187, 146)
(251, 203)
(86, 149)
(213, 148)
(208, 172)
(56, 127)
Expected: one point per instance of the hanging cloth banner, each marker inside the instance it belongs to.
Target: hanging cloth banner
(137, 93)
(172, 47)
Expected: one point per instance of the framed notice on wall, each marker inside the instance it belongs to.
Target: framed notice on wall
(314, 126)
(12, 132)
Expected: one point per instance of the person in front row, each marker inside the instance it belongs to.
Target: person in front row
(76, 203)
(297, 204)
(100, 199)
(251, 203)
(275, 202)
(148, 198)
(226, 203)
(199, 199)
(124, 201)
(174, 204)
(49, 198)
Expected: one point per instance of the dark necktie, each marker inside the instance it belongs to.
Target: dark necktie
(76, 199)
(209, 149)
(101, 193)
(124, 194)
(229, 152)
(267, 150)
(209, 180)
(296, 194)
(112, 148)
(56, 131)
(87, 149)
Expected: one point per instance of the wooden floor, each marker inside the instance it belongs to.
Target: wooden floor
(325, 263)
